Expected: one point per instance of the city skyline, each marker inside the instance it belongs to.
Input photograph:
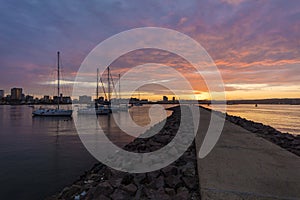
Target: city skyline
(255, 44)
(18, 94)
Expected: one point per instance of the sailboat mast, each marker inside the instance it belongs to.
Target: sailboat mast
(58, 81)
(97, 89)
(108, 80)
(119, 88)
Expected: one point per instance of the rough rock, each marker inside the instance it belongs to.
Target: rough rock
(179, 180)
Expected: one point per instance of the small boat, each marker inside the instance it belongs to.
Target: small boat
(57, 111)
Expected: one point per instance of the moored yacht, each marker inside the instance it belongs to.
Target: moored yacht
(56, 111)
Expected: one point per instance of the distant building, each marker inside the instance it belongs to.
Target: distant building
(46, 99)
(144, 101)
(62, 99)
(75, 101)
(134, 100)
(1, 94)
(85, 99)
(165, 98)
(8, 97)
(16, 94)
(66, 99)
(29, 99)
(56, 99)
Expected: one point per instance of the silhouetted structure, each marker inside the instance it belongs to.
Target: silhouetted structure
(16, 94)
(1, 94)
(85, 99)
(165, 98)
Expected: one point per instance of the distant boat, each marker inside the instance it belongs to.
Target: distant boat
(57, 111)
(114, 105)
(118, 105)
(95, 109)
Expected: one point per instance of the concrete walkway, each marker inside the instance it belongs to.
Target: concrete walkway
(245, 166)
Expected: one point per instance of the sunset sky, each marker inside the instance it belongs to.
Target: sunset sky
(255, 44)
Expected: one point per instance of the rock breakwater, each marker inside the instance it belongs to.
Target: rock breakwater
(179, 180)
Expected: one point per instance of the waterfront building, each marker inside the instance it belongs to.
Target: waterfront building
(29, 99)
(66, 99)
(85, 99)
(1, 94)
(46, 99)
(16, 94)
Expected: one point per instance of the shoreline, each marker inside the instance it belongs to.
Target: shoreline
(179, 180)
(286, 141)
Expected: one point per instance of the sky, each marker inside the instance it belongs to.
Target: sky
(254, 44)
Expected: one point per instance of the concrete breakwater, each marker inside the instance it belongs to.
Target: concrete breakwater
(244, 165)
(179, 180)
(287, 141)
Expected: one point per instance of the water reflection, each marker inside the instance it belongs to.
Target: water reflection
(41, 155)
(38, 156)
(122, 127)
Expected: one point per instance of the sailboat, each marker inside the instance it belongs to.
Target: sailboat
(57, 111)
(97, 109)
(118, 106)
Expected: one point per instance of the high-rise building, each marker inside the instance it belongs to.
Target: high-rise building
(16, 94)
(1, 94)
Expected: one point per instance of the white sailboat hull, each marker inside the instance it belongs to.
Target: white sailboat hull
(52, 112)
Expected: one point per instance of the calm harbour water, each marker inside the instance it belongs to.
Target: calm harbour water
(39, 156)
(284, 118)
